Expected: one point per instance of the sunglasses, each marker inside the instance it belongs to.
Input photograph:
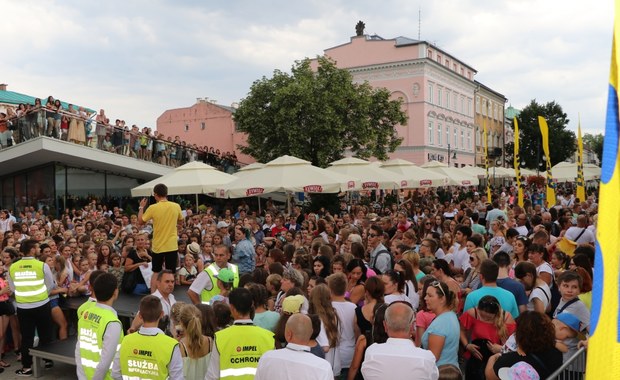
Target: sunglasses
(489, 306)
(437, 285)
(372, 235)
(471, 258)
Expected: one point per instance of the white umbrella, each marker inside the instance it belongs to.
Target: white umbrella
(413, 175)
(527, 172)
(372, 176)
(291, 174)
(456, 177)
(501, 172)
(567, 172)
(192, 178)
(475, 170)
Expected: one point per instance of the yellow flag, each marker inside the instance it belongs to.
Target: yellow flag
(581, 188)
(604, 345)
(517, 165)
(486, 160)
(544, 131)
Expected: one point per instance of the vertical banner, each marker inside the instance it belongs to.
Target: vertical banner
(581, 183)
(544, 131)
(517, 165)
(604, 345)
(486, 160)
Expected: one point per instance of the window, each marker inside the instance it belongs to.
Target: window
(454, 101)
(462, 104)
(186, 127)
(439, 95)
(484, 107)
(455, 138)
(430, 54)
(430, 93)
(463, 72)
(447, 135)
(439, 134)
(448, 99)
(478, 139)
(439, 59)
(462, 139)
(468, 106)
(468, 140)
(430, 132)
(478, 104)
(202, 126)
(454, 67)
(447, 63)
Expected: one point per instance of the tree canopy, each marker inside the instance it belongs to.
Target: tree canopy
(595, 142)
(562, 142)
(318, 115)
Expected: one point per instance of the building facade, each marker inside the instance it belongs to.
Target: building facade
(489, 111)
(437, 91)
(205, 123)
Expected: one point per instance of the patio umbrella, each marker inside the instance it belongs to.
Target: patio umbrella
(288, 174)
(474, 170)
(456, 177)
(192, 178)
(567, 172)
(372, 177)
(414, 176)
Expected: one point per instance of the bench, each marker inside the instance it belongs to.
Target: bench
(62, 351)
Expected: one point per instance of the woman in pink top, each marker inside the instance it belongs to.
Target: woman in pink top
(424, 317)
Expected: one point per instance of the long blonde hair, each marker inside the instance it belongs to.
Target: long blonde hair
(321, 304)
(189, 317)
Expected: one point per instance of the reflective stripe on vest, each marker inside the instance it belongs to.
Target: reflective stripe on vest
(92, 324)
(206, 295)
(29, 279)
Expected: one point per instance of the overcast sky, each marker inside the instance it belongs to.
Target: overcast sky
(137, 58)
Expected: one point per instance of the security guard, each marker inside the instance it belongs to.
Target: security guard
(239, 347)
(31, 281)
(149, 353)
(99, 333)
(205, 286)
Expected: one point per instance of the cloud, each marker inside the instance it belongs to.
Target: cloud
(138, 58)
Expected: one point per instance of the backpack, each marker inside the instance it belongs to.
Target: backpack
(382, 252)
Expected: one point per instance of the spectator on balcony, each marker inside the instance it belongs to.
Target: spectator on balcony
(100, 129)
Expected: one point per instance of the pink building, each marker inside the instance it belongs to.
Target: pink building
(204, 123)
(437, 90)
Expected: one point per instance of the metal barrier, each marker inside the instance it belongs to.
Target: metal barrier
(573, 369)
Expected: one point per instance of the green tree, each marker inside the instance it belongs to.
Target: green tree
(318, 114)
(594, 142)
(562, 142)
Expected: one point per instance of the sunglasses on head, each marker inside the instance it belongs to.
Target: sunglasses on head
(437, 285)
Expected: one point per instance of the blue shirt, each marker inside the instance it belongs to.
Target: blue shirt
(446, 325)
(244, 256)
(516, 288)
(505, 298)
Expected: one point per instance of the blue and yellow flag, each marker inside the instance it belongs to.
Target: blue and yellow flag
(486, 160)
(604, 345)
(581, 183)
(544, 131)
(517, 165)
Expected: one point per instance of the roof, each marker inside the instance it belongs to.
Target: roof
(12, 97)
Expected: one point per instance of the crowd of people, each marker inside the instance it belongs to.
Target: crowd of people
(75, 124)
(445, 286)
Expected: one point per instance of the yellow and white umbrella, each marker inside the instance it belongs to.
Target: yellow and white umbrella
(372, 177)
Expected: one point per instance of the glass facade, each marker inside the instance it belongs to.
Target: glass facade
(56, 187)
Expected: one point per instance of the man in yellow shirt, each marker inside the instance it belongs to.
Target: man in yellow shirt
(165, 216)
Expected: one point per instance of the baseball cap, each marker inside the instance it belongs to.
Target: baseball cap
(518, 371)
(572, 322)
(292, 304)
(193, 248)
(222, 224)
(226, 275)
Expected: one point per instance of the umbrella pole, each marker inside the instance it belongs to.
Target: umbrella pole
(196, 203)
(259, 210)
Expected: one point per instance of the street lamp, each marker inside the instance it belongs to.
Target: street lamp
(454, 157)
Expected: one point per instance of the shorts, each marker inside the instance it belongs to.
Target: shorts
(6, 308)
(54, 302)
(169, 258)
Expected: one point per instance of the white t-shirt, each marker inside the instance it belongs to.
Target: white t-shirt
(414, 297)
(586, 237)
(346, 342)
(542, 292)
(461, 258)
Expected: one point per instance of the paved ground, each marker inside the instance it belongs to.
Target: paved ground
(60, 371)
